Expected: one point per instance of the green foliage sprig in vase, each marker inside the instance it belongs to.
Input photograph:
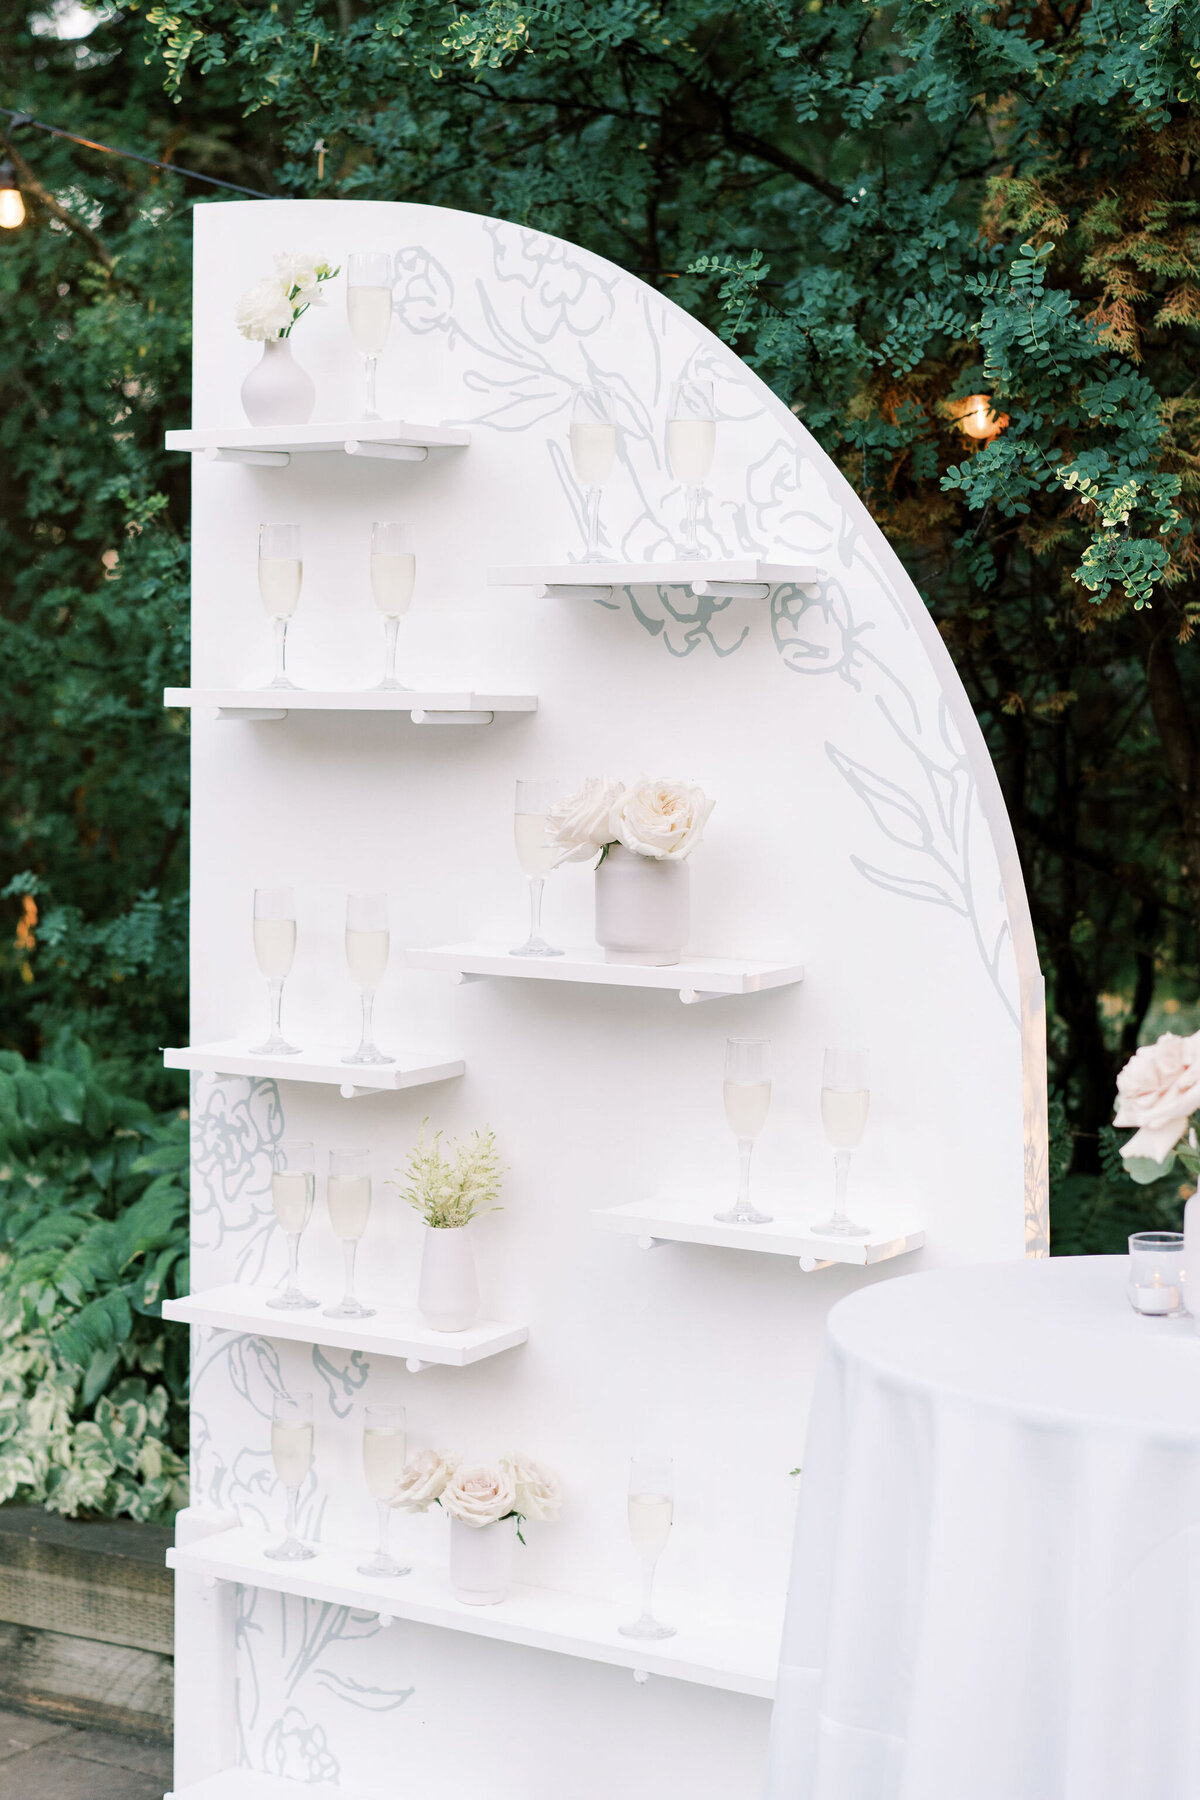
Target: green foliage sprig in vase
(449, 1188)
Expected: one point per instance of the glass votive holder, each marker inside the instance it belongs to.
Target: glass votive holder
(1156, 1273)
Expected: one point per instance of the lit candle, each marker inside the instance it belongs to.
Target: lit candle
(1156, 1297)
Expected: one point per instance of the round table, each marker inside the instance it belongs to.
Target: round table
(995, 1590)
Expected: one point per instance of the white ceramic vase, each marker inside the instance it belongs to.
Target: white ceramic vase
(1191, 1257)
(277, 391)
(448, 1292)
(481, 1561)
(643, 908)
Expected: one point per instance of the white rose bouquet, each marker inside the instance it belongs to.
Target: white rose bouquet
(1158, 1091)
(479, 1494)
(424, 1480)
(660, 818)
(271, 307)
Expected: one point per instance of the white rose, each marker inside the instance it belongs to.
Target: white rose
(578, 825)
(480, 1494)
(539, 1492)
(263, 311)
(659, 818)
(424, 1479)
(1158, 1090)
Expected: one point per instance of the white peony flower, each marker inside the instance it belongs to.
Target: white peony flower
(480, 1494)
(659, 818)
(1157, 1091)
(264, 311)
(424, 1479)
(539, 1492)
(578, 825)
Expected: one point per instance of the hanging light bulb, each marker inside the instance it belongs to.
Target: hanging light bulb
(12, 207)
(974, 417)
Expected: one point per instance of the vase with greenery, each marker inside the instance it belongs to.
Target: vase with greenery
(448, 1187)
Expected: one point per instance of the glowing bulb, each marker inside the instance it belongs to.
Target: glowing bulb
(975, 417)
(12, 207)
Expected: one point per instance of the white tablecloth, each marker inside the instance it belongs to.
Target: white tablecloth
(995, 1592)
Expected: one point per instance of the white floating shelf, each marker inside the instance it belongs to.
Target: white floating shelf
(696, 978)
(387, 1333)
(412, 1068)
(433, 706)
(731, 578)
(273, 446)
(688, 1219)
(252, 1784)
(741, 1655)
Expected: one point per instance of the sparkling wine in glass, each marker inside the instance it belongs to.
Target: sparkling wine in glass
(385, 1450)
(651, 1509)
(691, 442)
(593, 449)
(369, 310)
(348, 1194)
(293, 1190)
(535, 855)
(845, 1103)
(280, 572)
(366, 958)
(292, 1454)
(393, 577)
(275, 948)
(747, 1100)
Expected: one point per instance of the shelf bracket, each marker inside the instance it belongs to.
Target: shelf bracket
(251, 712)
(262, 459)
(563, 590)
(731, 590)
(421, 717)
(653, 1243)
(387, 452)
(463, 977)
(693, 996)
(641, 1676)
(415, 1366)
(348, 1091)
(385, 1619)
(811, 1263)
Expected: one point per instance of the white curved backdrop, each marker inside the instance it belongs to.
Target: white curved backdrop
(858, 829)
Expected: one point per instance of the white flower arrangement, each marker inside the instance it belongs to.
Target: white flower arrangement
(479, 1494)
(658, 818)
(448, 1190)
(271, 307)
(1158, 1092)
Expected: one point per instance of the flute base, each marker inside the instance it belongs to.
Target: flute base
(391, 687)
(349, 1309)
(291, 1550)
(836, 1227)
(291, 1300)
(368, 1053)
(646, 1627)
(749, 1217)
(275, 1046)
(379, 1564)
(536, 947)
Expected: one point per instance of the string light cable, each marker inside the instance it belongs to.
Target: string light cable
(12, 207)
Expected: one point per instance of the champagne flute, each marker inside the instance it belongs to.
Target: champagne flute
(384, 1451)
(691, 442)
(369, 310)
(293, 1190)
(593, 447)
(292, 1454)
(366, 958)
(747, 1098)
(536, 856)
(275, 948)
(845, 1102)
(280, 572)
(651, 1509)
(393, 576)
(348, 1196)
